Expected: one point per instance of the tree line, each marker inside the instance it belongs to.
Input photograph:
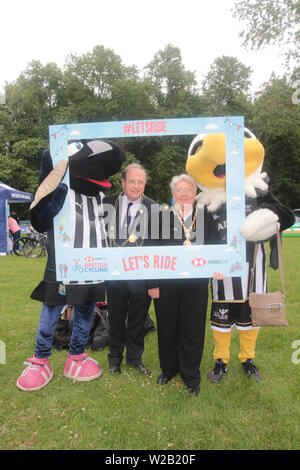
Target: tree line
(98, 86)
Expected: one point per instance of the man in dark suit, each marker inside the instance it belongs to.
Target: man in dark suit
(128, 301)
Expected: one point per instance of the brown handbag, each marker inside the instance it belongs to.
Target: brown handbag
(268, 309)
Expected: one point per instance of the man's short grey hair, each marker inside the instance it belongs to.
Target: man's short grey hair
(133, 166)
(183, 177)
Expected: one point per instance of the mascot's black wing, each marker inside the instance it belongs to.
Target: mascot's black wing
(285, 215)
(262, 224)
(286, 218)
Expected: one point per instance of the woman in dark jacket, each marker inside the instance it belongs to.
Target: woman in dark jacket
(181, 304)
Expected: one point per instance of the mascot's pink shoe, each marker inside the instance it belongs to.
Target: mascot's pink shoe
(81, 368)
(36, 375)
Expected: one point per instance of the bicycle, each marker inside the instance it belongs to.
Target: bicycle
(35, 245)
(18, 246)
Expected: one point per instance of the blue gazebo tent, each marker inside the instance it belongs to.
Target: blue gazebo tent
(9, 195)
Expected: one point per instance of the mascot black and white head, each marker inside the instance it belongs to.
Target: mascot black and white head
(91, 163)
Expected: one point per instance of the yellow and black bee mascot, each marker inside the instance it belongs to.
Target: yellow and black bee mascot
(206, 163)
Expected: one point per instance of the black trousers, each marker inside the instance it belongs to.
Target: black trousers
(126, 300)
(181, 317)
(16, 235)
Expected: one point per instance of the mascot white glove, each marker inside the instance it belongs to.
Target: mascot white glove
(260, 225)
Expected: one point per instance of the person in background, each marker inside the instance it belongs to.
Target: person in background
(14, 227)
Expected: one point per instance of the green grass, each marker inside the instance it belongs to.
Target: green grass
(131, 411)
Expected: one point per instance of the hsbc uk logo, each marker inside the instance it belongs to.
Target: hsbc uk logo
(198, 262)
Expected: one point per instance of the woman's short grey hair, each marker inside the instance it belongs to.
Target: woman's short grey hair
(176, 179)
(131, 167)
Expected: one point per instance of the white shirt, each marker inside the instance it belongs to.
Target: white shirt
(187, 213)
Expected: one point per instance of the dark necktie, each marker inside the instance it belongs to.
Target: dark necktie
(127, 219)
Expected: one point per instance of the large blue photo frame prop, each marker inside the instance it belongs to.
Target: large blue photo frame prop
(92, 264)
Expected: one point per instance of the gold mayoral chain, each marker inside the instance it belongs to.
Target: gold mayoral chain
(132, 236)
(187, 230)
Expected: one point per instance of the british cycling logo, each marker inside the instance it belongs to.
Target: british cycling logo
(90, 264)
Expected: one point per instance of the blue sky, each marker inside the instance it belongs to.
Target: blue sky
(136, 30)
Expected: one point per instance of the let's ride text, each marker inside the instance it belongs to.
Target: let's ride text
(144, 127)
(135, 263)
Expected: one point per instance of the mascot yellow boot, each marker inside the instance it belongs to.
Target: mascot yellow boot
(206, 163)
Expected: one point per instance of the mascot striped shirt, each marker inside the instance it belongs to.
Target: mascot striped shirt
(87, 225)
(236, 289)
(86, 219)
